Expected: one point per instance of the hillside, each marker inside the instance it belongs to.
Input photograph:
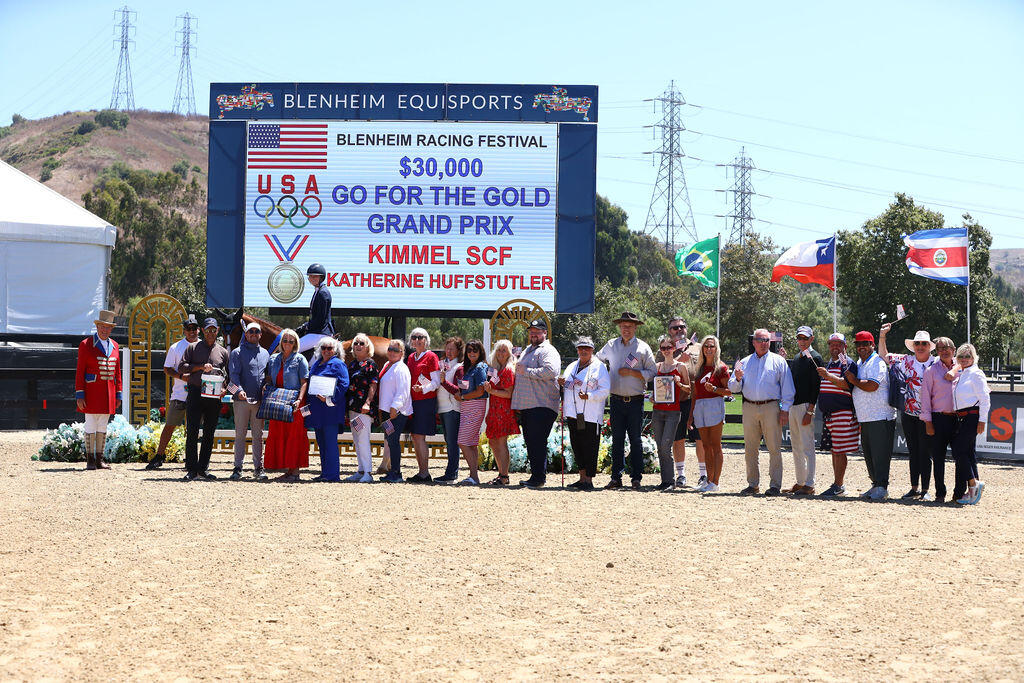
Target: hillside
(153, 141)
(1008, 264)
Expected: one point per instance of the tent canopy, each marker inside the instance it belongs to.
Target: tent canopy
(54, 257)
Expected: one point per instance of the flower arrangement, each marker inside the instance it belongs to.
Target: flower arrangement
(151, 441)
(650, 449)
(124, 443)
(64, 444)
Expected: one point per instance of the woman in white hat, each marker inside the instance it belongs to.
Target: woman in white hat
(98, 387)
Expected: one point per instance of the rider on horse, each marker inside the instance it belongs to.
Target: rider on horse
(319, 324)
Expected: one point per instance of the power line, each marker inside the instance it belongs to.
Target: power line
(664, 214)
(124, 68)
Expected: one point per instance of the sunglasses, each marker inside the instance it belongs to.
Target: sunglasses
(920, 343)
(762, 340)
(192, 328)
(417, 336)
(677, 327)
(287, 341)
(252, 332)
(667, 348)
(943, 348)
(394, 350)
(358, 343)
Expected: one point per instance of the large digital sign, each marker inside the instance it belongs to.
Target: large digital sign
(443, 199)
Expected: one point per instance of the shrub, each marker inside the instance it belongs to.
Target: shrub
(110, 118)
(85, 127)
(181, 168)
(17, 118)
(48, 166)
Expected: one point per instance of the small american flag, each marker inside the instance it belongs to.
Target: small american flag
(632, 361)
(389, 428)
(304, 411)
(357, 425)
(591, 384)
(287, 145)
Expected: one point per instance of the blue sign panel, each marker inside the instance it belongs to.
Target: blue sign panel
(436, 198)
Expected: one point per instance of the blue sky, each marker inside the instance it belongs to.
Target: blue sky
(837, 107)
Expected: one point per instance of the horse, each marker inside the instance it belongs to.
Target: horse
(232, 325)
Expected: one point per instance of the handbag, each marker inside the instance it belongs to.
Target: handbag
(277, 404)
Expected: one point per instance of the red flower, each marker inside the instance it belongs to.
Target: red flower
(224, 409)
(163, 411)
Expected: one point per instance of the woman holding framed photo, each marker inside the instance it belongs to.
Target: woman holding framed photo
(671, 385)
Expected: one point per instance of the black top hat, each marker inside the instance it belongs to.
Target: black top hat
(628, 317)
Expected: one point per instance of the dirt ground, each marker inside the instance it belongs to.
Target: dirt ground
(131, 574)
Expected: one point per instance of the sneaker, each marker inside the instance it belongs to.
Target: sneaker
(392, 478)
(634, 484)
(772, 492)
(354, 478)
(236, 474)
(965, 500)
(532, 483)
(664, 486)
(155, 463)
(977, 492)
(881, 493)
(614, 484)
(420, 478)
(833, 491)
(208, 476)
(367, 478)
(927, 497)
(867, 495)
(710, 487)
(681, 481)
(446, 478)
(190, 476)
(912, 493)
(468, 481)
(261, 475)
(702, 481)
(749, 491)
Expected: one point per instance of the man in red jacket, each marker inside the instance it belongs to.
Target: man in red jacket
(98, 387)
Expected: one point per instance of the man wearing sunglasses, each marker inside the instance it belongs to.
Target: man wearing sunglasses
(870, 382)
(909, 370)
(766, 383)
(175, 412)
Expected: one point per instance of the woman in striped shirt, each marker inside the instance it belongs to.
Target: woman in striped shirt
(474, 406)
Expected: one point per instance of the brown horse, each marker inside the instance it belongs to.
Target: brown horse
(233, 324)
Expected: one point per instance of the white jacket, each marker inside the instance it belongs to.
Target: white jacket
(396, 389)
(970, 388)
(593, 407)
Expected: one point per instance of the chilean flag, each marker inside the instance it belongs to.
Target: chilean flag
(939, 254)
(809, 262)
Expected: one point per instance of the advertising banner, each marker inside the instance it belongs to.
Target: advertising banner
(430, 215)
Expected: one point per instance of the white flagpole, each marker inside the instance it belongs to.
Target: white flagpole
(967, 230)
(835, 280)
(718, 301)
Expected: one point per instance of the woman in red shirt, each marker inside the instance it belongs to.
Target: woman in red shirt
(425, 373)
(707, 410)
(501, 423)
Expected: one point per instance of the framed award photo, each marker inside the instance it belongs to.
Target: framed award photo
(664, 389)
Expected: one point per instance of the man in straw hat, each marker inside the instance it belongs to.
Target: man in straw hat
(98, 387)
(631, 366)
(909, 373)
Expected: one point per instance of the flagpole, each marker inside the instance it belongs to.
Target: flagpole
(835, 280)
(718, 296)
(967, 230)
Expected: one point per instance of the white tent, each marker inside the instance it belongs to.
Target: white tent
(54, 257)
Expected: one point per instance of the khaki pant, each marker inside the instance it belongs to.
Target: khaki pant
(762, 421)
(802, 438)
(246, 420)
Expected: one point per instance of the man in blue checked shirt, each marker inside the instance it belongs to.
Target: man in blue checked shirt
(766, 383)
(631, 366)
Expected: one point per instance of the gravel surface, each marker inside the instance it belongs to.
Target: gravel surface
(129, 574)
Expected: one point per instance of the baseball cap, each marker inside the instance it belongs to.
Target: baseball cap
(805, 330)
(864, 335)
(253, 326)
(837, 336)
(191, 321)
(539, 324)
(210, 322)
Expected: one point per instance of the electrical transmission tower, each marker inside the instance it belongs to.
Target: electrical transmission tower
(670, 200)
(123, 79)
(184, 95)
(742, 190)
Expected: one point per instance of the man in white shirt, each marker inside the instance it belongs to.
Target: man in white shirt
(877, 418)
(176, 401)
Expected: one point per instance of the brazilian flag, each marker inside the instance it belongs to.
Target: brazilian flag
(700, 261)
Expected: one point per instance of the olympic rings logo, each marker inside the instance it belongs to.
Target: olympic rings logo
(289, 214)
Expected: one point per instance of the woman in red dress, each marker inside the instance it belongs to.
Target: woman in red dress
(287, 446)
(501, 422)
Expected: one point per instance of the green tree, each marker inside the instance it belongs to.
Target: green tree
(873, 279)
(615, 255)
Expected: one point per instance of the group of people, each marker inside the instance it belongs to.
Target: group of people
(942, 401)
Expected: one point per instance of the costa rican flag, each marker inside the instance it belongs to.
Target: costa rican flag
(808, 262)
(939, 254)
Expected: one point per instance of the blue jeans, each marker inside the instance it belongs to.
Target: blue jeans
(395, 443)
(450, 422)
(327, 442)
(536, 423)
(627, 419)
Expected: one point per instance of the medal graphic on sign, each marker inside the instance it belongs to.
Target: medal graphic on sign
(286, 282)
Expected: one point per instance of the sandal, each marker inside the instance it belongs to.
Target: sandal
(499, 481)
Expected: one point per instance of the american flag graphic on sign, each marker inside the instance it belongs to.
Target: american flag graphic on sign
(287, 146)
